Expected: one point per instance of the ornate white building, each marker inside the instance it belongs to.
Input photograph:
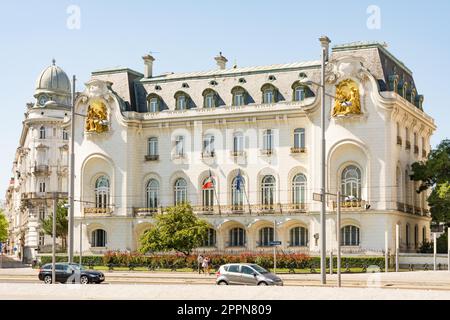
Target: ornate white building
(40, 165)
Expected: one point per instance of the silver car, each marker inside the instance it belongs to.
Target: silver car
(246, 274)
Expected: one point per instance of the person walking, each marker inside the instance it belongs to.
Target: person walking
(206, 265)
(200, 261)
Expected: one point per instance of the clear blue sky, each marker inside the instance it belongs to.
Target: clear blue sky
(187, 35)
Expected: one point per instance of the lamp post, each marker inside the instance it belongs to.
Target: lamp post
(72, 176)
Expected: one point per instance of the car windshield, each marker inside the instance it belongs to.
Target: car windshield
(259, 269)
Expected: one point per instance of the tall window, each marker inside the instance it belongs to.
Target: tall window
(268, 140)
(299, 191)
(424, 235)
(41, 213)
(238, 143)
(41, 239)
(98, 238)
(299, 93)
(153, 105)
(65, 134)
(416, 236)
(210, 239)
(152, 194)
(269, 96)
(181, 102)
(268, 192)
(408, 235)
(350, 236)
(208, 196)
(102, 189)
(180, 191)
(266, 236)
(237, 237)
(42, 187)
(351, 183)
(208, 145)
(42, 133)
(179, 146)
(299, 237)
(237, 193)
(299, 138)
(153, 146)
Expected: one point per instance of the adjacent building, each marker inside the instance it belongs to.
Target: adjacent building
(40, 165)
(150, 141)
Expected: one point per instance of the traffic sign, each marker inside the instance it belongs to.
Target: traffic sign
(275, 243)
(317, 197)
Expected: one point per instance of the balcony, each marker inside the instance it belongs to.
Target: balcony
(98, 212)
(408, 145)
(152, 157)
(40, 170)
(208, 154)
(146, 212)
(267, 152)
(251, 209)
(236, 154)
(298, 150)
(353, 205)
(419, 211)
(416, 150)
(399, 140)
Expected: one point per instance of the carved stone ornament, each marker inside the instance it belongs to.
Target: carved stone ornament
(97, 117)
(348, 101)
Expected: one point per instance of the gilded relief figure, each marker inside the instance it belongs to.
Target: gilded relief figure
(96, 116)
(347, 99)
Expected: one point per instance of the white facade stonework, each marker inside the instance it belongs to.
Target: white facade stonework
(40, 165)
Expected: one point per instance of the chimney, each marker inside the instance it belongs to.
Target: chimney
(325, 42)
(148, 63)
(221, 61)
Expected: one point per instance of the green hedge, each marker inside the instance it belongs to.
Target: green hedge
(174, 261)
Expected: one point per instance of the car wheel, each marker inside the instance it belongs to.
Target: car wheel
(262, 284)
(48, 279)
(222, 283)
(84, 280)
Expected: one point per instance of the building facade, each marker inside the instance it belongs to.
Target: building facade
(40, 165)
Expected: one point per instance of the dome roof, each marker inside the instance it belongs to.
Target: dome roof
(53, 79)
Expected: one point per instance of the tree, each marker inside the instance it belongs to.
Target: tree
(3, 228)
(62, 224)
(434, 174)
(178, 229)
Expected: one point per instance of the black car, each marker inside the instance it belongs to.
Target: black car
(70, 272)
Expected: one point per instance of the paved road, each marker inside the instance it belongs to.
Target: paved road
(206, 292)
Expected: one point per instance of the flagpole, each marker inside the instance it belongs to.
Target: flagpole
(248, 201)
(218, 202)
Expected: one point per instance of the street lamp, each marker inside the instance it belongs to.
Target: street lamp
(325, 43)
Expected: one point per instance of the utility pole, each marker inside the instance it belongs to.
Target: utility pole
(72, 176)
(386, 251)
(338, 237)
(325, 42)
(55, 204)
(274, 247)
(397, 246)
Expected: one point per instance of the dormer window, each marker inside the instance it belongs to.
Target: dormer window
(182, 101)
(154, 103)
(185, 85)
(299, 93)
(239, 96)
(269, 94)
(209, 99)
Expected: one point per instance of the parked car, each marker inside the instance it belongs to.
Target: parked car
(246, 274)
(70, 272)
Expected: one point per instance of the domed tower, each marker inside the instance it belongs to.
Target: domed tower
(53, 88)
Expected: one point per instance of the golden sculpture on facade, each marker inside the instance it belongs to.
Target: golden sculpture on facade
(97, 115)
(347, 99)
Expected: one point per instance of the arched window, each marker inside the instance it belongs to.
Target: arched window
(208, 195)
(424, 235)
(239, 96)
(238, 144)
(153, 146)
(268, 141)
(408, 235)
(42, 134)
(299, 191)
(350, 236)
(351, 183)
(152, 194)
(399, 185)
(182, 101)
(210, 99)
(237, 193)
(98, 238)
(208, 145)
(180, 191)
(270, 94)
(299, 138)
(102, 190)
(266, 236)
(65, 134)
(154, 103)
(268, 192)
(237, 237)
(210, 239)
(299, 237)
